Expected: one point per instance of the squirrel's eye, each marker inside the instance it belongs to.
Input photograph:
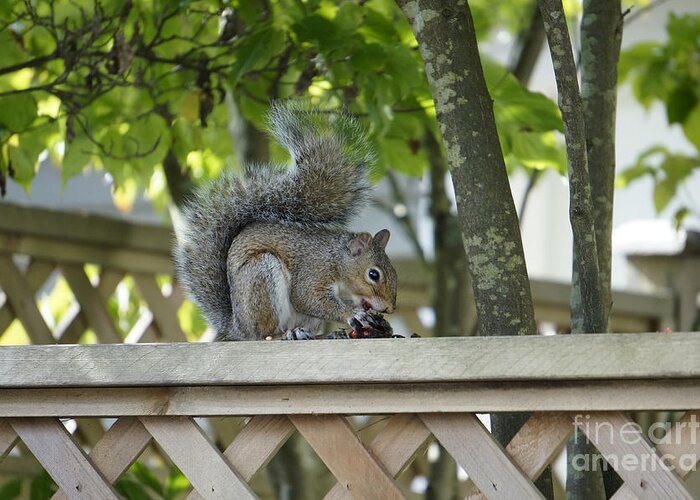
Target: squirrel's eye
(373, 274)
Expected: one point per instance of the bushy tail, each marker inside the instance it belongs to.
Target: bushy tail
(326, 184)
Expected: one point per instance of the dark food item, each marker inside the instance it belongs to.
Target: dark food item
(376, 327)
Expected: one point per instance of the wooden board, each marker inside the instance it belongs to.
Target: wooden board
(80, 228)
(474, 449)
(616, 436)
(21, 297)
(8, 438)
(352, 399)
(63, 459)
(355, 468)
(395, 446)
(117, 450)
(198, 459)
(565, 357)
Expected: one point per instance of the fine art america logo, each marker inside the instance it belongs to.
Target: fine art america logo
(668, 445)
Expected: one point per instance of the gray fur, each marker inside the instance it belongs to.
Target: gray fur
(326, 184)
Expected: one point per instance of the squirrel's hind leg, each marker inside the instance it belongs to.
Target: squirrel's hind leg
(253, 298)
(260, 300)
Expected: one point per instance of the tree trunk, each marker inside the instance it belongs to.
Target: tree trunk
(589, 124)
(446, 37)
(601, 34)
(447, 41)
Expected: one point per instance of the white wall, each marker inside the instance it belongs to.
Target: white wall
(546, 231)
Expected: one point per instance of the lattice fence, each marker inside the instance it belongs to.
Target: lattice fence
(431, 388)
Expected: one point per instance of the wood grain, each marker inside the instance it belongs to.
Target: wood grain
(476, 451)
(120, 446)
(91, 304)
(8, 438)
(36, 274)
(63, 459)
(394, 447)
(188, 447)
(565, 357)
(346, 457)
(680, 442)
(352, 399)
(21, 297)
(636, 462)
(537, 443)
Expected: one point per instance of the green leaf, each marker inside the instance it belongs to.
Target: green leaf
(369, 57)
(146, 477)
(131, 490)
(11, 490)
(24, 163)
(632, 174)
(401, 156)
(258, 47)
(348, 18)
(679, 216)
(176, 482)
(635, 57)
(42, 487)
(516, 106)
(17, 111)
(679, 167)
(77, 156)
(316, 28)
(538, 151)
(691, 127)
(664, 191)
(681, 101)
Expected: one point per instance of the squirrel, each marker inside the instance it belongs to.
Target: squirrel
(268, 253)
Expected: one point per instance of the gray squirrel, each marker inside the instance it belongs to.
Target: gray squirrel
(268, 253)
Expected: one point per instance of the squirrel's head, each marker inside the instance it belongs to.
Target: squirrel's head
(373, 285)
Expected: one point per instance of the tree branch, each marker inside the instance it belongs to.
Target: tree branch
(580, 206)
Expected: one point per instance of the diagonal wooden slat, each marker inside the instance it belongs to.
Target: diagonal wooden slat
(637, 463)
(62, 458)
(486, 462)
(120, 446)
(346, 457)
(680, 448)
(188, 447)
(8, 438)
(37, 273)
(74, 322)
(91, 304)
(397, 444)
(255, 445)
(164, 314)
(21, 298)
(537, 443)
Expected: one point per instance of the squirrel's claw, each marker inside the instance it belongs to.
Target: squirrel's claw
(298, 334)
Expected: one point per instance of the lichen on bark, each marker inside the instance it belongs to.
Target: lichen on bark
(447, 41)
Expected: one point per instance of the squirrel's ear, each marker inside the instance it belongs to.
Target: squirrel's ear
(359, 243)
(382, 238)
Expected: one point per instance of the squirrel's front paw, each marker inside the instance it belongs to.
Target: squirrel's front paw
(298, 334)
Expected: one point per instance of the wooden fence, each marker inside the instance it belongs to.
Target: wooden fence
(432, 389)
(429, 389)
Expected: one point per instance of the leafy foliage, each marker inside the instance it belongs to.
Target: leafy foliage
(670, 74)
(116, 85)
(140, 483)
